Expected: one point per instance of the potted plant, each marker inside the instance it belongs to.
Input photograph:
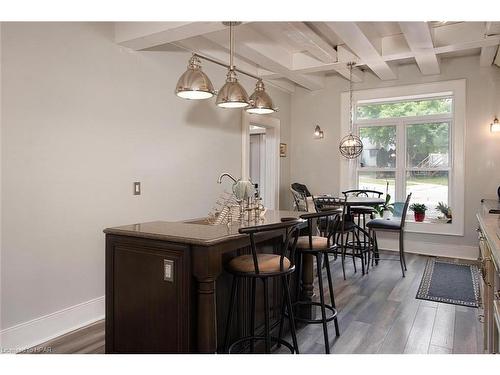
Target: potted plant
(418, 211)
(386, 207)
(445, 210)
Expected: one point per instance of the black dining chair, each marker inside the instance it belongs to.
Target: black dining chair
(389, 225)
(265, 266)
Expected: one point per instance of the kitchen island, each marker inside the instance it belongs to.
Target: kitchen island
(166, 289)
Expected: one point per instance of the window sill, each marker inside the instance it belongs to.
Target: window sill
(428, 227)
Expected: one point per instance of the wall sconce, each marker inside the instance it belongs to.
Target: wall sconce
(495, 126)
(318, 133)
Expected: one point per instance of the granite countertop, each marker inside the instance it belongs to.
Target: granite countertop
(195, 231)
(490, 226)
(491, 205)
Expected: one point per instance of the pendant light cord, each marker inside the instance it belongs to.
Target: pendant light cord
(351, 64)
(231, 46)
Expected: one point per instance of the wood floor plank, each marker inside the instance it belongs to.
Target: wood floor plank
(377, 313)
(91, 337)
(397, 337)
(421, 332)
(444, 326)
(379, 328)
(434, 349)
(465, 340)
(348, 342)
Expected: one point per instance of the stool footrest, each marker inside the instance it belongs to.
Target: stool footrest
(274, 339)
(332, 309)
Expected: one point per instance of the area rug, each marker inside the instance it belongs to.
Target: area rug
(450, 282)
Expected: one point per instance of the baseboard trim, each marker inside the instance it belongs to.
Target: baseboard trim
(37, 331)
(430, 248)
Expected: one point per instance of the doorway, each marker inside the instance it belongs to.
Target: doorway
(260, 155)
(257, 159)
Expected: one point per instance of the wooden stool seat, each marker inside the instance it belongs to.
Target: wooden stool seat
(318, 243)
(268, 263)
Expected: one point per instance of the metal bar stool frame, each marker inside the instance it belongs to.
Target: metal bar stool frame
(331, 217)
(287, 247)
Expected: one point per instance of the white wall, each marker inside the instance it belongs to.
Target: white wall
(317, 162)
(82, 118)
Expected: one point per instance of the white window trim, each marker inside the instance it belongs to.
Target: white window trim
(457, 180)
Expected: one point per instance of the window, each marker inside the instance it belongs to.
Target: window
(424, 167)
(413, 143)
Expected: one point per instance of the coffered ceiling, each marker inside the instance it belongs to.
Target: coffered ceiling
(303, 53)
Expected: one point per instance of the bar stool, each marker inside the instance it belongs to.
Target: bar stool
(389, 225)
(359, 212)
(265, 266)
(319, 247)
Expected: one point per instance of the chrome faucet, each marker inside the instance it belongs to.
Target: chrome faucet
(219, 180)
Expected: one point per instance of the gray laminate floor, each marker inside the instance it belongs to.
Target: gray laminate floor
(378, 313)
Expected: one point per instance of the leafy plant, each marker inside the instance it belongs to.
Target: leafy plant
(418, 208)
(386, 206)
(444, 209)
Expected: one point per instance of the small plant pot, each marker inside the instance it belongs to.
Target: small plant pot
(419, 216)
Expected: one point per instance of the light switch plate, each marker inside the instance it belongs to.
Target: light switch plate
(168, 270)
(137, 188)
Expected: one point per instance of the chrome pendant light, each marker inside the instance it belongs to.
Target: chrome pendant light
(260, 102)
(232, 94)
(350, 146)
(194, 83)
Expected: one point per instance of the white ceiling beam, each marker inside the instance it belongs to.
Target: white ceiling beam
(142, 35)
(304, 36)
(418, 36)
(395, 47)
(488, 54)
(306, 64)
(254, 47)
(460, 46)
(358, 42)
(492, 28)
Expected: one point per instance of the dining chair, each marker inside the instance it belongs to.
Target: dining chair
(394, 224)
(302, 199)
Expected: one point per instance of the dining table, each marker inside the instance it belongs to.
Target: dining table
(327, 201)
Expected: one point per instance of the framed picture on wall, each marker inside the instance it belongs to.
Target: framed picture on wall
(283, 148)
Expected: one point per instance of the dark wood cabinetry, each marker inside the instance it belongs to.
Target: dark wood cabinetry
(145, 313)
(149, 313)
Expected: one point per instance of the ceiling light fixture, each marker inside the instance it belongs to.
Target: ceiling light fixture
(318, 133)
(350, 146)
(260, 102)
(194, 83)
(232, 94)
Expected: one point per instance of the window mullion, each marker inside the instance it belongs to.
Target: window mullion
(400, 161)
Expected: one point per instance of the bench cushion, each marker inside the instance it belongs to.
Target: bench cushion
(385, 224)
